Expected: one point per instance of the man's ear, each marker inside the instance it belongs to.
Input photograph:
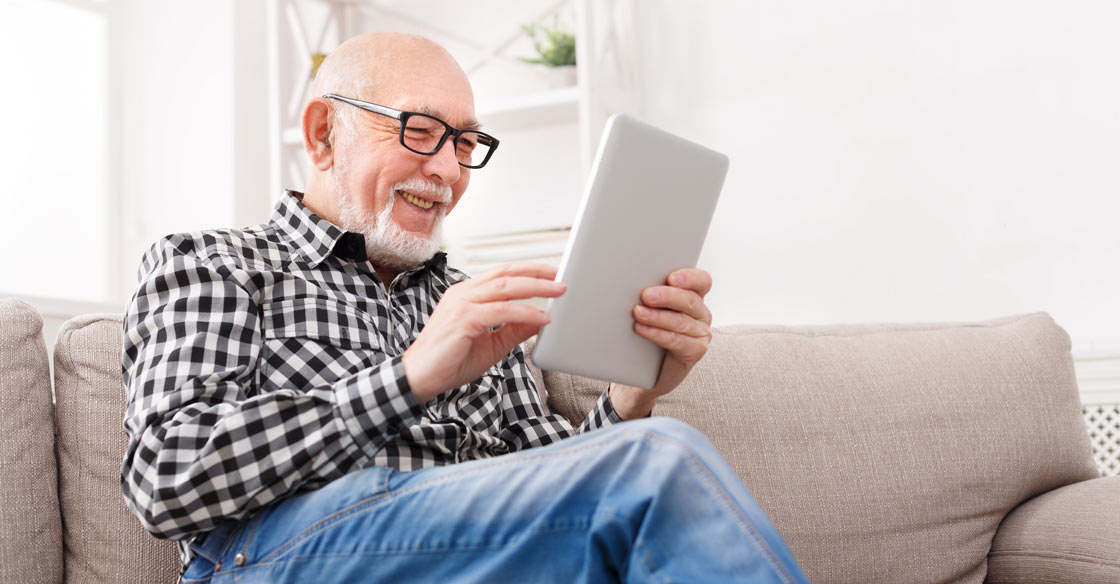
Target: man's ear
(317, 128)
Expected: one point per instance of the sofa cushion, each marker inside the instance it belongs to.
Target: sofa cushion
(1067, 536)
(884, 453)
(103, 541)
(30, 526)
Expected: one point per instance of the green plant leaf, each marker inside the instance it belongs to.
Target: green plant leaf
(554, 46)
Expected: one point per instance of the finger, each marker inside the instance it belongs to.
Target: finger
(529, 269)
(515, 334)
(515, 288)
(670, 320)
(684, 348)
(678, 299)
(493, 314)
(694, 279)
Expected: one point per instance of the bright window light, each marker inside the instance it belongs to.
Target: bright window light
(55, 222)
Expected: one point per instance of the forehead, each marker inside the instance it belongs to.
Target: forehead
(431, 84)
(465, 121)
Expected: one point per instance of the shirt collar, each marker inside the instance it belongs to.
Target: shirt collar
(316, 238)
(313, 236)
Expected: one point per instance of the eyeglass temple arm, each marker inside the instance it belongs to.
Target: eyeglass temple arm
(373, 107)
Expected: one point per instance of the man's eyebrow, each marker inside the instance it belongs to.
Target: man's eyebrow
(470, 125)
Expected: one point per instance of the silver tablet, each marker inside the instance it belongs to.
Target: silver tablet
(645, 213)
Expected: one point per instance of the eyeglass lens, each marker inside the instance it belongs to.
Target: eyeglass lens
(422, 134)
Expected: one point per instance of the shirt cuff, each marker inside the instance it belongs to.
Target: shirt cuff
(602, 414)
(377, 404)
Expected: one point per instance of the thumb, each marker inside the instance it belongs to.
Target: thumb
(515, 334)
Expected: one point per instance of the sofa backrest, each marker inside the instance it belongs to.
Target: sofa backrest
(103, 541)
(884, 453)
(31, 546)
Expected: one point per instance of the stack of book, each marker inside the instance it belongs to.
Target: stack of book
(475, 255)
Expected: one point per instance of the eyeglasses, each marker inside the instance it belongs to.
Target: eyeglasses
(424, 134)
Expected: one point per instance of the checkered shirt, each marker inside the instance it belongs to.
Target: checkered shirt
(266, 361)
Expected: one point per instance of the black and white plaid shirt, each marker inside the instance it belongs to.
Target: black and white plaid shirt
(265, 361)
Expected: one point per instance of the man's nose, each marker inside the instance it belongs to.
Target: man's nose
(443, 163)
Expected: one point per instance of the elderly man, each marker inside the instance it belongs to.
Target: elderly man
(321, 398)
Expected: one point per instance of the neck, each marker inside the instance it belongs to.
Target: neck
(321, 200)
(387, 275)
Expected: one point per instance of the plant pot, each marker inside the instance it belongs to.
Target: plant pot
(557, 77)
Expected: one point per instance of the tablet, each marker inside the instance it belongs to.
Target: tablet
(645, 213)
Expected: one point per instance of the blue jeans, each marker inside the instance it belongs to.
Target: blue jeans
(643, 501)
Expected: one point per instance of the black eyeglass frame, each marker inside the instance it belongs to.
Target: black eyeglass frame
(402, 116)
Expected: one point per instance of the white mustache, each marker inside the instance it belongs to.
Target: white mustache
(441, 192)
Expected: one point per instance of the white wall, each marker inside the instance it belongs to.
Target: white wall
(899, 161)
(194, 120)
(890, 160)
(56, 220)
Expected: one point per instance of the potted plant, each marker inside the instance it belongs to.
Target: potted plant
(556, 50)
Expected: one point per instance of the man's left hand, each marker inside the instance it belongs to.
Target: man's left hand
(674, 317)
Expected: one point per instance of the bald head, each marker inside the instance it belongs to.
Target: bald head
(379, 66)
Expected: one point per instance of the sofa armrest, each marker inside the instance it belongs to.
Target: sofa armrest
(1071, 534)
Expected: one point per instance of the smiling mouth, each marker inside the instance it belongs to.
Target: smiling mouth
(411, 198)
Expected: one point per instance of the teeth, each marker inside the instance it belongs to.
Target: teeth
(416, 200)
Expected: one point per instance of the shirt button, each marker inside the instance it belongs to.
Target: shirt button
(239, 559)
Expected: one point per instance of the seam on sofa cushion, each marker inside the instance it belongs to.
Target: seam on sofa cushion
(86, 320)
(1071, 556)
(887, 328)
(27, 309)
(77, 324)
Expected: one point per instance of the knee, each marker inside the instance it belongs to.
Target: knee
(665, 449)
(675, 430)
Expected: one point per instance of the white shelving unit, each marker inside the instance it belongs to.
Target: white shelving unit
(545, 108)
(297, 29)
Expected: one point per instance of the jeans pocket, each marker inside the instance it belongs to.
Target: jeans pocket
(208, 551)
(200, 570)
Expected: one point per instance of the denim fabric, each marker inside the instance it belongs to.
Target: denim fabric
(643, 501)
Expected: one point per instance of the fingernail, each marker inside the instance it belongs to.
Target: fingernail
(676, 279)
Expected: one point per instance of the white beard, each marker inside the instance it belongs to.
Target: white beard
(388, 245)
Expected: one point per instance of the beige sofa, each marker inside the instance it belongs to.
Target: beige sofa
(883, 453)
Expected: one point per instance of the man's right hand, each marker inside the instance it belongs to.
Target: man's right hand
(458, 344)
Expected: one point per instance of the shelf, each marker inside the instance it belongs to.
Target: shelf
(547, 108)
(291, 136)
